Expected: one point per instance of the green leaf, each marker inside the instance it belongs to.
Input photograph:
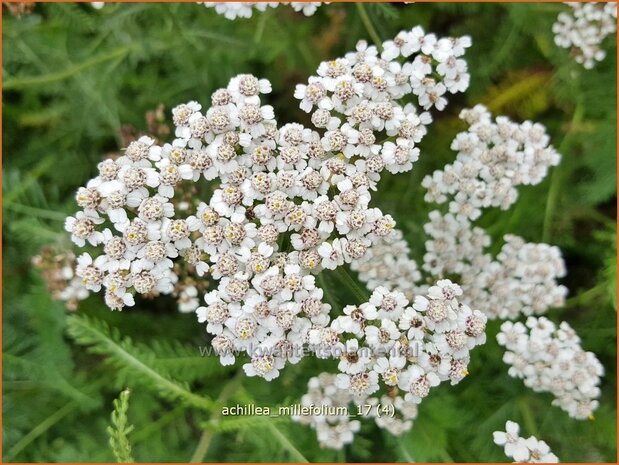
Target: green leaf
(120, 429)
(125, 355)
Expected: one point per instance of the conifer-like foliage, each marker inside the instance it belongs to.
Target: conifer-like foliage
(120, 429)
(79, 83)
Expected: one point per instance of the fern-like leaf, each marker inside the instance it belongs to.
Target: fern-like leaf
(184, 362)
(122, 353)
(120, 429)
(242, 423)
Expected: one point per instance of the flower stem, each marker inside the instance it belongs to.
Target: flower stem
(365, 18)
(586, 296)
(40, 429)
(320, 277)
(528, 417)
(556, 177)
(345, 278)
(207, 435)
(45, 79)
(286, 444)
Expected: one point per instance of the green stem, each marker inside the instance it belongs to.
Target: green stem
(203, 445)
(588, 295)
(345, 278)
(286, 444)
(261, 26)
(152, 428)
(46, 424)
(207, 435)
(365, 18)
(40, 429)
(85, 333)
(405, 453)
(28, 81)
(553, 193)
(320, 277)
(555, 177)
(39, 212)
(180, 391)
(527, 416)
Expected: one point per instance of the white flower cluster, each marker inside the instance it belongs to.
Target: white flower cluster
(550, 359)
(58, 271)
(408, 349)
(74, 290)
(354, 98)
(290, 201)
(233, 10)
(584, 29)
(412, 347)
(493, 158)
(522, 280)
(388, 264)
(137, 255)
(530, 450)
(335, 428)
(334, 425)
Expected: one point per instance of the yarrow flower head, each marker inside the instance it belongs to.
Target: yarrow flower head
(58, 271)
(404, 350)
(330, 409)
(584, 28)
(493, 158)
(287, 201)
(529, 450)
(549, 358)
(521, 280)
(412, 347)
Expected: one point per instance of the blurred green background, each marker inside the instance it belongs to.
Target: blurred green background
(78, 81)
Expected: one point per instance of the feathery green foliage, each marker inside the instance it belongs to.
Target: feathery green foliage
(131, 360)
(120, 429)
